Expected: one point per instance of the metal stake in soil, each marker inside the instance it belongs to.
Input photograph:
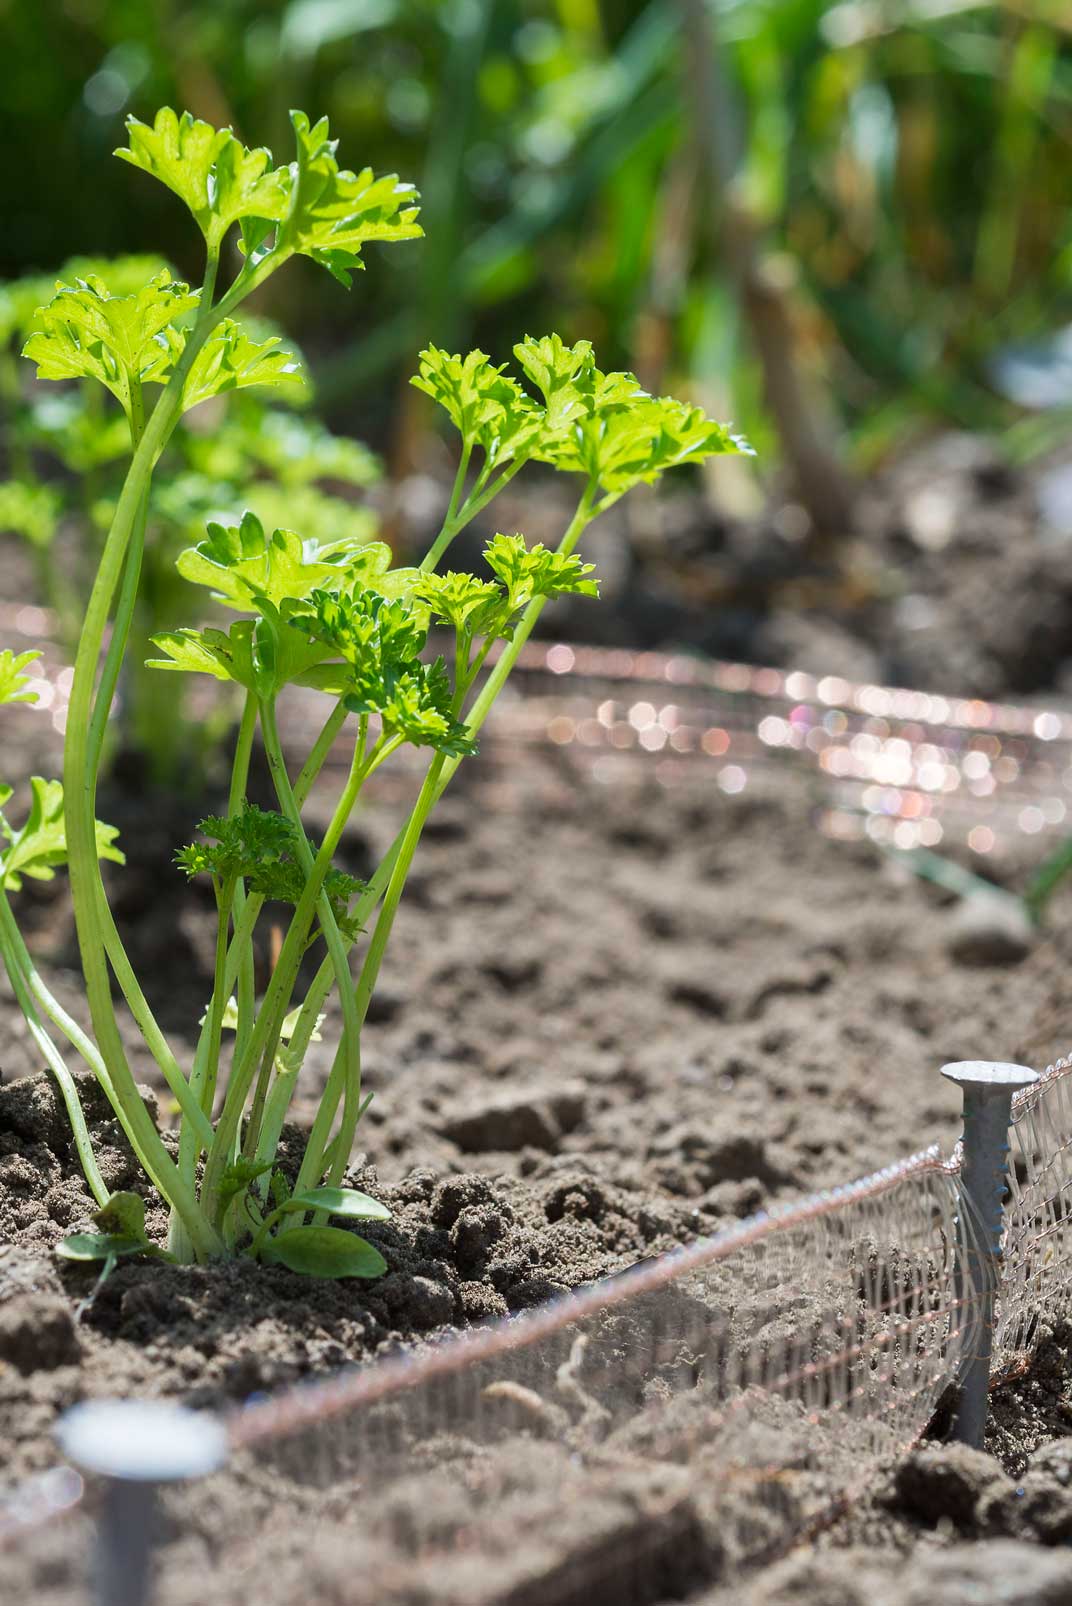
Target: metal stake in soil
(988, 1088)
(133, 1446)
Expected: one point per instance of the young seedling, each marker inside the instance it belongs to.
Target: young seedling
(331, 613)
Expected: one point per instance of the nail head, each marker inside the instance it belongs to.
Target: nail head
(990, 1076)
(142, 1441)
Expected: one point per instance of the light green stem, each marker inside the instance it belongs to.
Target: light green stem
(239, 781)
(475, 502)
(273, 1008)
(11, 951)
(337, 948)
(80, 777)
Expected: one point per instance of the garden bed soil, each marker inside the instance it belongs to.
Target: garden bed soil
(613, 1017)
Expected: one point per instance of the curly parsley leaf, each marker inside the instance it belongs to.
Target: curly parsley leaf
(379, 640)
(244, 566)
(220, 179)
(563, 375)
(334, 212)
(263, 848)
(528, 572)
(232, 360)
(372, 634)
(225, 655)
(13, 681)
(85, 332)
(461, 599)
(252, 842)
(41, 846)
(486, 406)
(260, 654)
(635, 445)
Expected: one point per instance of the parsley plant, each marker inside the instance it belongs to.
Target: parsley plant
(329, 611)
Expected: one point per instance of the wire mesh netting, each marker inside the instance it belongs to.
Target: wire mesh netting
(1036, 1281)
(675, 1424)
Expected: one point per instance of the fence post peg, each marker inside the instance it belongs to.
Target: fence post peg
(133, 1446)
(988, 1087)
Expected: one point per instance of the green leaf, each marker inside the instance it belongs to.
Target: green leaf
(103, 1246)
(606, 427)
(334, 212)
(123, 1216)
(324, 1252)
(529, 572)
(348, 1202)
(638, 445)
(461, 599)
(260, 654)
(563, 374)
(263, 849)
(221, 654)
(244, 567)
(232, 360)
(380, 639)
(85, 332)
(12, 679)
(219, 178)
(620, 445)
(486, 406)
(41, 845)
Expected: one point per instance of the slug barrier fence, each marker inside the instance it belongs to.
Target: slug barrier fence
(675, 1425)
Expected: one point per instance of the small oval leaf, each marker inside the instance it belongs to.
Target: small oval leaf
(100, 1246)
(347, 1202)
(324, 1252)
(125, 1215)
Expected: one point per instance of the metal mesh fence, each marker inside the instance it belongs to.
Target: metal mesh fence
(1036, 1284)
(700, 1413)
(673, 1425)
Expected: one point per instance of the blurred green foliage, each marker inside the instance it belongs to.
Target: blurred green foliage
(67, 451)
(905, 163)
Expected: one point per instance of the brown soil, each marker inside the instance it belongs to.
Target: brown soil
(612, 1018)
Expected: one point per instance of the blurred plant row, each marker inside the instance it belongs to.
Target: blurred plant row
(894, 170)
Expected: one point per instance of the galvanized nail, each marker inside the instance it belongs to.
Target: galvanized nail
(134, 1446)
(988, 1087)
